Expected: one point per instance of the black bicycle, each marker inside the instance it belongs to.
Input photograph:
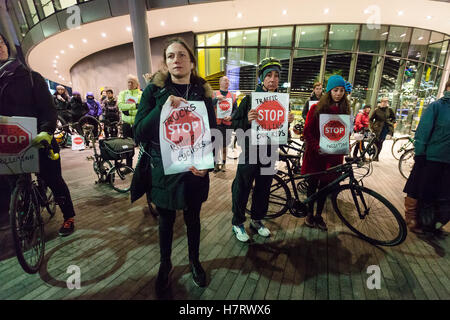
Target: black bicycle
(29, 197)
(87, 126)
(365, 212)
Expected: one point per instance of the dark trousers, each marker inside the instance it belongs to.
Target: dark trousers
(50, 172)
(127, 131)
(313, 186)
(192, 221)
(379, 144)
(242, 184)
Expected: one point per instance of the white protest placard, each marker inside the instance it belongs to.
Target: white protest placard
(77, 142)
(16, 155)
(185, 137)
(271, 125)
(311, 103)
(224, 108)
(334, 133)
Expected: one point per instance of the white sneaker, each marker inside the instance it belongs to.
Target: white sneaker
(240, 233)
(259, 226)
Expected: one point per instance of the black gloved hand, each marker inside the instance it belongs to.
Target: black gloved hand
(420, 160)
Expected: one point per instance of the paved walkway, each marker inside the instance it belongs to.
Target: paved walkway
(116, 247)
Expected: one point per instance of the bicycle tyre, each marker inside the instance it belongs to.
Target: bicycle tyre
(51, 202)
(370, 235)
(120, 178)
(406, 163)
(61, 134)
(398, 144)
(278, 203)
(19, 204)
(371, 153)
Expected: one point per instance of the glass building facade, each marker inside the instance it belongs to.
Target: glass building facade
(402, 63)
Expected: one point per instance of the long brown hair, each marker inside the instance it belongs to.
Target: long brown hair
(326, 101)
(188, 49)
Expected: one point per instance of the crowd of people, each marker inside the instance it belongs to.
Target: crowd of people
(178, 82)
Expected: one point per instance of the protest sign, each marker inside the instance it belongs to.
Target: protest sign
(334, 133)
(224, 108)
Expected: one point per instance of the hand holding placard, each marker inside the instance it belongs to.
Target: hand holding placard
(252, 115)
(176, 101)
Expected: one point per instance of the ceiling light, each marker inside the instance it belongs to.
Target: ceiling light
(239, 15)
(326, 10)
(274, 34)
(129, 29)
(384, 33)
(429, 17)
(103, 35)
(62, 52)
(71, 46)
(56, 71)
(303, 32)
(54, 61)
(394, 51)
(400, 13)
(163, 23)
(331, 32)
(54, 66)
(195, 19)
(285, 12)
(84, 40)
(402, 35)
(420, 38)
(245, 38)
(366, 11)
(57, 57)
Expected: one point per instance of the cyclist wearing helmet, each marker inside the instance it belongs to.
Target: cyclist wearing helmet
(269, 75)
(37, 102)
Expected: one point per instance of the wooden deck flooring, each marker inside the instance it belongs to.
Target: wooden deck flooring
(116, 247)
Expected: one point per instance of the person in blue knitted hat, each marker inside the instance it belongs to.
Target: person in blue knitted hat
(334, 101)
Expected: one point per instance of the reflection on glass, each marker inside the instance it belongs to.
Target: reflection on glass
(33, 13)
(276, 37)
(248, 37)
(398, 41)
(373, 40)
(310, 36)
(241, 68)
(408, 97)
(47, 7)
(21, 18)
(419, 43)
(210, 61)
(436, 37)
(443, 54)
(342, 36)
(305, 70)
(434, 52)
(338, 63)
(63, 4)
(211, 39)
(364, 80)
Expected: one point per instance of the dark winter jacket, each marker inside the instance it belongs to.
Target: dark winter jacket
(110, 109)
(433, 133)
(380, 118)
(306, 106)
(77, 108)
(175, 191)
(62, 103)
(24, 93)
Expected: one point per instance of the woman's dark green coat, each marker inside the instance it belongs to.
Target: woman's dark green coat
(177, 191)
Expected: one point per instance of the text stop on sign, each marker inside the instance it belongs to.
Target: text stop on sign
(334, 130)
(271, 115)
(13, 139)
(183, 128)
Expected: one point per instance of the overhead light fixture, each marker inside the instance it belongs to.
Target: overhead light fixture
(245, 38)
(326, 10)
(71, 46)
(54, 61)
(400, 13)
(62, 51)
(274, 34)
(239, 15)
(384, 33)
(163, 23)
(331, 32)
(429, 17)
(54, 66)
(420, 38)
(84, 40)
(402, 35)
(129, 29)
(285, 12)
(57, 57)
(303, 32)
(195, 19)
(56, 71)
(366, 11)
(103, 35)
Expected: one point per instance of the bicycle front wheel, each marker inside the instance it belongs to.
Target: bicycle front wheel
(368, 214)
(120, 178)
(398, 147)
(279, 199)
(27, 229)
(406, 163)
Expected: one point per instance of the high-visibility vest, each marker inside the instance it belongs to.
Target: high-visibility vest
(228, 96)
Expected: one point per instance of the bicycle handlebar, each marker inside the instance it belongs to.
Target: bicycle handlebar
(48, 148)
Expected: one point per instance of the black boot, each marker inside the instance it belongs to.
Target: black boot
(198, 274)
(162, 281)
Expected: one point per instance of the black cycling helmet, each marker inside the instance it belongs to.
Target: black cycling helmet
(266, 65)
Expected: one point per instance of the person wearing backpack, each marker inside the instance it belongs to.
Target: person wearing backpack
(110, 114)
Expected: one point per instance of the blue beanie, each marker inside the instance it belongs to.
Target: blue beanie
(335, 81)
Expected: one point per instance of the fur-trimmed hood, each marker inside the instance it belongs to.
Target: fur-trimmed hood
(161, 79)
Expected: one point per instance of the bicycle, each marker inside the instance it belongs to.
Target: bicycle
(118, 175)
(29, 197)
(85, 126)
(353, 203)
(406, 163)
(363, 144)
(400, 145)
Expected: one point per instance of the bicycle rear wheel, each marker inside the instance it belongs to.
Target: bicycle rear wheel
(279, 199)
(380, 223)
(120, 178)
(27, 229)
(406, 163)
(398, 147)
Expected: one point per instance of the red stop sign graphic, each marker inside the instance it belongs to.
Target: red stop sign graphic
(334, 130)
(183, 128)
(271, 115)
(78, 140)
(13, 138)
(224, 105)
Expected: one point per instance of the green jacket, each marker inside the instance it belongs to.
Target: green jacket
(433, 133)
(176, 191)
(128, 110)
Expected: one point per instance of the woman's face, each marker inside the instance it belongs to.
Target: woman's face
(61, 91)
(337, 93)
(178, 61)
(318, 91)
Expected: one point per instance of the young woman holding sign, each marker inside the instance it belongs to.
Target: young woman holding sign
(335, 101)
(185, 191)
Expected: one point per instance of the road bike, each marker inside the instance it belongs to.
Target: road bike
(406, 163)
(364, 211)
(400, 145)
